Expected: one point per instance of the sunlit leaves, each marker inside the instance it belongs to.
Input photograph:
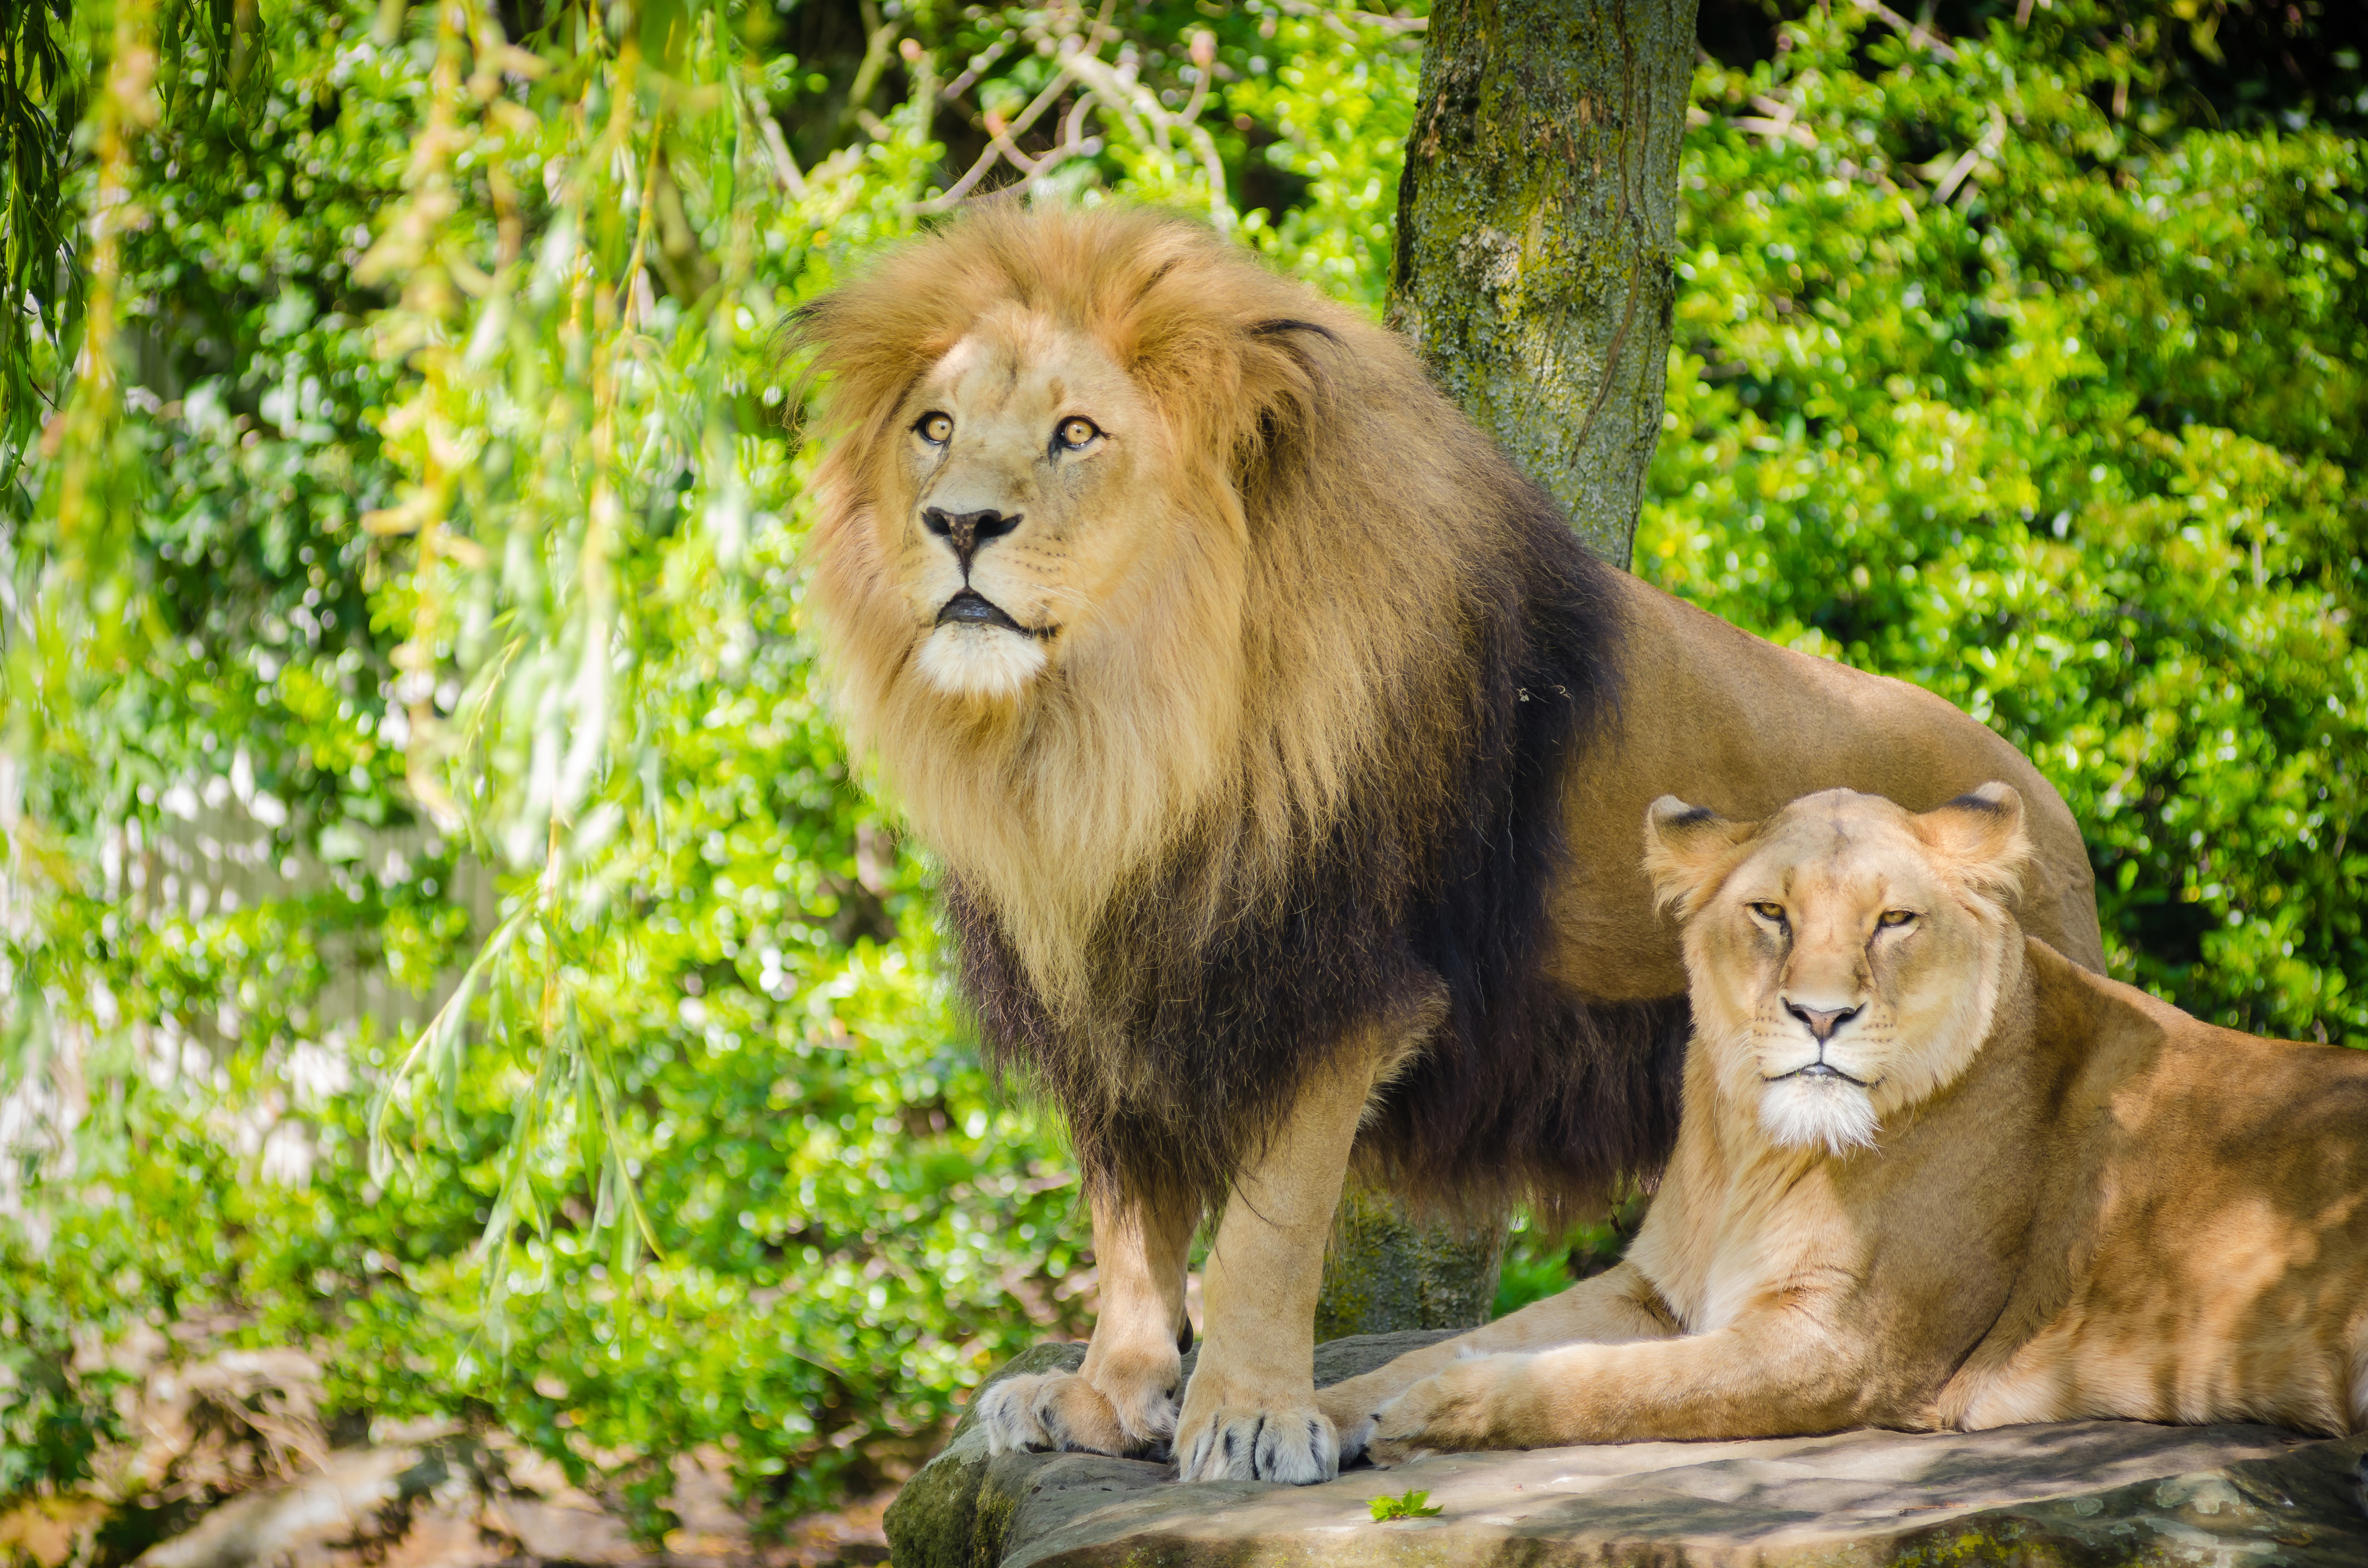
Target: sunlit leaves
(2076, 447)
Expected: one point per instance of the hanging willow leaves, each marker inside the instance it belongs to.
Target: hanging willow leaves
(585, 435)
(577, 296)
(39, 298)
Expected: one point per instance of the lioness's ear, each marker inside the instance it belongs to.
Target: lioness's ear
(1978, 839)
(1687, 850)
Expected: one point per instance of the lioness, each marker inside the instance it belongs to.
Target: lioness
(1932, 1175)
(1281, 746)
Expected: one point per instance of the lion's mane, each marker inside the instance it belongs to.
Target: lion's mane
(1317, 790)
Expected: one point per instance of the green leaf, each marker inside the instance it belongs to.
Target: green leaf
(1412, 1505)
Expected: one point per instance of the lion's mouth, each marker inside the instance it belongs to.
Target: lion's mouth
(971, 607)
(1822, 1069)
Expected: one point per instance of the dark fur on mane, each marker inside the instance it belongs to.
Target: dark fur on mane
(1412, 897)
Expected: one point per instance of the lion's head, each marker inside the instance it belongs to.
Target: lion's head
(1112, 553)
(1846, 956)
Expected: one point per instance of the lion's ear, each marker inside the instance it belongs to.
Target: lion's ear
(1281, 361)
(1688, 849)
(1978, 839)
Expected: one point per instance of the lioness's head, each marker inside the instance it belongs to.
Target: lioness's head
(1846, 956)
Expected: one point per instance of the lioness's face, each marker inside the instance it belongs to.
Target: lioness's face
(1025, 453)
(1843, 965)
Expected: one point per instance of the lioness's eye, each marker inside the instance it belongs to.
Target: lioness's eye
(935, 428)
(1898, 916)
(1074, 433)
(1767, 911)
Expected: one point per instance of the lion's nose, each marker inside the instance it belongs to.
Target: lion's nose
(1822, 1021)
(968, 530)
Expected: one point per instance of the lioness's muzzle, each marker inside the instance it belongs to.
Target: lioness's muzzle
(1819, 1070)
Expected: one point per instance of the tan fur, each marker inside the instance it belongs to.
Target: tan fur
(2080, 1201)
(1247, 622)
(1174, 686)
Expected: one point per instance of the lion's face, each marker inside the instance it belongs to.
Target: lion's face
(1028, 494)
(1844, 955)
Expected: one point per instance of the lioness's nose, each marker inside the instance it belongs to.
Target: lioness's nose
(967, 531)
(1822, 1021)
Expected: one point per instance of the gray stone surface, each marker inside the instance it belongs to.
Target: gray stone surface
(947, 1516)
(2085, 1493)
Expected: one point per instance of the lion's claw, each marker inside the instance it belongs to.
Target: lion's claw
(1297, 1447)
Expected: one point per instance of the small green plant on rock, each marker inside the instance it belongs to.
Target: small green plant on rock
(1412, 1505)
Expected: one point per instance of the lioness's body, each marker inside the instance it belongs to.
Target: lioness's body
(1733, 722)
(1282, 751)
(2112, 1210)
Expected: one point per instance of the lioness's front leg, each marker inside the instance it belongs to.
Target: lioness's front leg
(1617, 1307)
(1250, 1413)
(1772, 1373)
(1123, 1399)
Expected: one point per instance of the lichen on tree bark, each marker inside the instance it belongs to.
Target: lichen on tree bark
(1537, 218)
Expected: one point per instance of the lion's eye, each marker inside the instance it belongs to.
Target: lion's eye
(1074, 433)
(935, 428)
(1769, 911)
(1896, 917)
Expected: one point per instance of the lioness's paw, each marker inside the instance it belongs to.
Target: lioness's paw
(1062, 1412)
(1295, 1445)
(1452, 1411)
(1350, 1412)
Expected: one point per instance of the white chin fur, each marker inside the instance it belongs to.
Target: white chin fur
(1799, 1113)
(985, 661)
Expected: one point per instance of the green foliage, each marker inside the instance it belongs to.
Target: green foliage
(37, 117)
(1412, 1505)
(1980, 386)
(438, 521)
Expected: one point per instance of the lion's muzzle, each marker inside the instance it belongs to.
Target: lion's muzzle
(971, 607)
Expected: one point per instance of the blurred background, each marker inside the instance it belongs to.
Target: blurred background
(453, 981)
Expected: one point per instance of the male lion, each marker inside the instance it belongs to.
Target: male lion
(1931, 1175)
(1279, 744)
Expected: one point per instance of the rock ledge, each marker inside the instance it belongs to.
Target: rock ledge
(2096, 1491)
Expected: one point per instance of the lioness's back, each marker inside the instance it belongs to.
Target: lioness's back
(2207, 1241)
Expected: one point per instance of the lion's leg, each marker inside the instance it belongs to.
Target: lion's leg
(1772, 1373)
(1250, 1412)
(1617, 1307)
(1123, 1399)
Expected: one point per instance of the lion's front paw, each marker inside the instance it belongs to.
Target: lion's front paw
(1062, 1411)
(1291, 1443)
(1455, 1410)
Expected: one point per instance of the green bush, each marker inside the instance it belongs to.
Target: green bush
(2080, 449)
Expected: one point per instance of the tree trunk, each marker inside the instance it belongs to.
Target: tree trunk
(1384, 1272)
(1537, 218)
